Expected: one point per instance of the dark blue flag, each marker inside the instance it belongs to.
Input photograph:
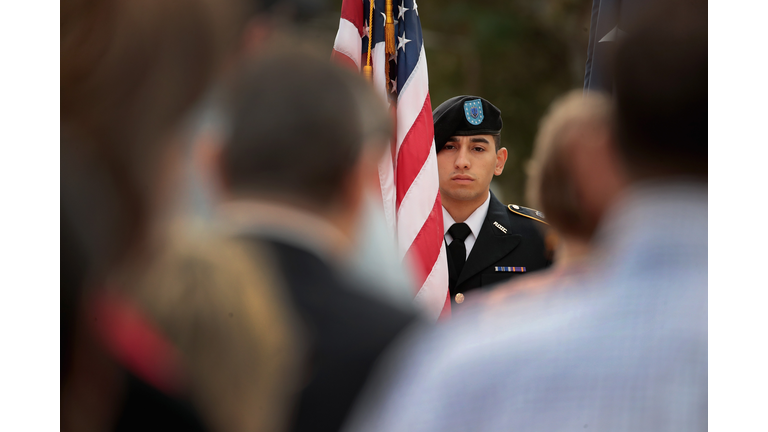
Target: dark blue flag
(609, 20)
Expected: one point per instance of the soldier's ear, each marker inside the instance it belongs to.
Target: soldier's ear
(501, 159)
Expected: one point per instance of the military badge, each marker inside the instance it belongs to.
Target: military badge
(510, 269)
(473, 111)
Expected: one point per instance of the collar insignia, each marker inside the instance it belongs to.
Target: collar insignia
(498, 225)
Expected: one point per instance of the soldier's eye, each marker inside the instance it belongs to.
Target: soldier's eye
(449, 147)
(479, 149)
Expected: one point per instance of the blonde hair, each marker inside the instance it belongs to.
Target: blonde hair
(550, 185)
(217, 302)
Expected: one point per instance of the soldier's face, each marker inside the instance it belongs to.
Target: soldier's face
(467, 164)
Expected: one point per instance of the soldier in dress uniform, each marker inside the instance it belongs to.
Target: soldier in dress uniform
(487, 242)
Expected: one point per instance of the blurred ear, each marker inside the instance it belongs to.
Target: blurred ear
(363, 179)
(598, 174)
(208, 159)
(254, 37)
(501, 160)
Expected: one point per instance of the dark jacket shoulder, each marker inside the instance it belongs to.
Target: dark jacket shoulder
(346, 330)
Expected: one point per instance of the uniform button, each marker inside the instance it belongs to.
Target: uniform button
(459, 298)
(516, 207)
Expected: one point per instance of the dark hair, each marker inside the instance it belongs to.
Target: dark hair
(129, 70)
(298, 126)
(661, 93)
(497, 141)
(129, 73)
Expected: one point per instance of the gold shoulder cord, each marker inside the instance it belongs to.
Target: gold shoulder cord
(525, 215)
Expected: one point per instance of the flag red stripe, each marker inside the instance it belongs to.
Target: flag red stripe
(352, 11)
(425, 249)
(342, 59)
(414, 150)
(446, 312)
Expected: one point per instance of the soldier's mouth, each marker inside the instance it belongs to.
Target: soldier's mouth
(462, 179)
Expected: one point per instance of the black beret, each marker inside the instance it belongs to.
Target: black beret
(465, 115)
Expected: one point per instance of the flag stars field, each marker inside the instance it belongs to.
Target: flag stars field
(402, 41)
(401, 14)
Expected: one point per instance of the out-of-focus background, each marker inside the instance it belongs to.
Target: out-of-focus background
(518, 54)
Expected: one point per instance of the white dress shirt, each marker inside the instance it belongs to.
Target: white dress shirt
(474, 221)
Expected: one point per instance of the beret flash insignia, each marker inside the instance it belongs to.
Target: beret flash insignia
(473, 111)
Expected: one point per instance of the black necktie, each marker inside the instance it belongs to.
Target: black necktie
(457, 250)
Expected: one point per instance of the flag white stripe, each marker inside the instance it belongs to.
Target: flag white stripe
(378, 59)
(348, 41)
(386, 166)
(411, 99)
(417, 203)
(388, 191)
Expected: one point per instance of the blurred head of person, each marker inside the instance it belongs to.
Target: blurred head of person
(660, 75)
(305, 134)
(575, 173)
(130, 71)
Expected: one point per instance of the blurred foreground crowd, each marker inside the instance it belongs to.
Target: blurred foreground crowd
(225, 267)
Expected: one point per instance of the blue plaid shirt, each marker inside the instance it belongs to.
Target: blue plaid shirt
(621, 348)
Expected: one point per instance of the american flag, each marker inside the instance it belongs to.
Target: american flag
(408, 175)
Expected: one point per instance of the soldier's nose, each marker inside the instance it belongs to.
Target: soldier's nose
(462, 161)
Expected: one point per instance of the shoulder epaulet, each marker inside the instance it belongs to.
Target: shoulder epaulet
(527, 212)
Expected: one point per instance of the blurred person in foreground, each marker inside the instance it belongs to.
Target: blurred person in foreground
(218, 304)
(573, 177)
(130, 74)
(487, 242)
(624, 349)
(277, 26)
(306, 138)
